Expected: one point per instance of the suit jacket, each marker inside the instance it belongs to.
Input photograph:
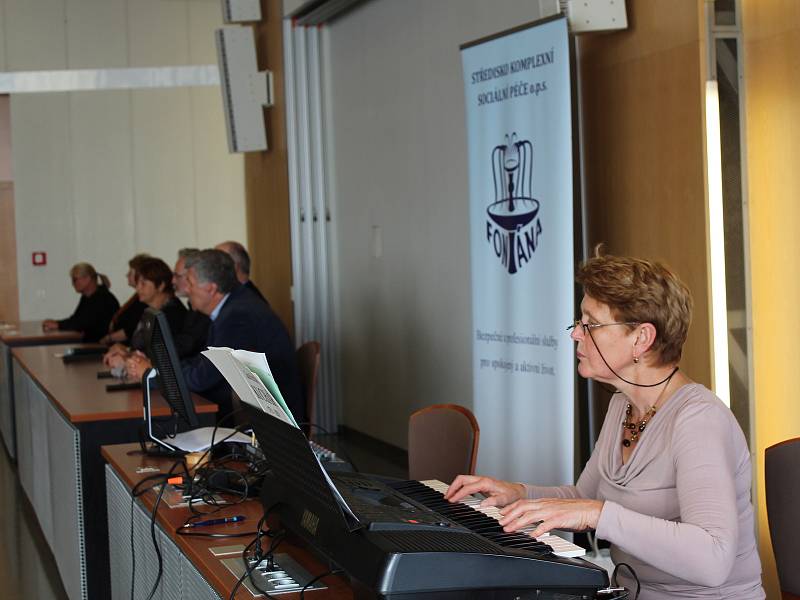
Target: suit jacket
(192, 335)
(252, 287)
(247, 323)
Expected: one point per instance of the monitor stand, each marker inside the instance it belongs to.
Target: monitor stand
(159, 447)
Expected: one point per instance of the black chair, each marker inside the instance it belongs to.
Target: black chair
(782, 475)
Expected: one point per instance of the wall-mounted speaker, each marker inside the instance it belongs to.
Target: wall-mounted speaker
(585, 16)
(245, 90)
(241, 11)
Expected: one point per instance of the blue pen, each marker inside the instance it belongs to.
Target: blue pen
(234, 519)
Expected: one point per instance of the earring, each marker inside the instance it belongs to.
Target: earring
(636, 359)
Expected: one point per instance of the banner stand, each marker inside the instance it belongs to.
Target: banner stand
(519, 99)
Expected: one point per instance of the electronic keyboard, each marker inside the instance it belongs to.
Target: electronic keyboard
(400, 540)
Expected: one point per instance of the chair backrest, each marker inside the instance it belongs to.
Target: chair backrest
(782, 475)
(308, 365)
(442, 442)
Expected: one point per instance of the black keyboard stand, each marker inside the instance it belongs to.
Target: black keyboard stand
(298, 482)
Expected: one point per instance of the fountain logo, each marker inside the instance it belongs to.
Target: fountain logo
(513, 227)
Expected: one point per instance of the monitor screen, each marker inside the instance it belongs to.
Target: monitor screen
(161, 351)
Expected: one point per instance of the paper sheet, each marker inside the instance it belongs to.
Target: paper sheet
(248, 383)
(249, 375)
(198, 440)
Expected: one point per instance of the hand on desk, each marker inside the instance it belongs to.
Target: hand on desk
(136, 364)
(575, 514)
(116, 356)
(49, 325)
(499, 492)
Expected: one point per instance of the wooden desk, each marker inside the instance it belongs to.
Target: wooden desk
(63, 415)
(25, 333)
(30, 333)
(190, 570)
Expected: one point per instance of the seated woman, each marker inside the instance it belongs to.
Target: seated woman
(154, 289)
(95, 309)
(668, 483)
(127, 317)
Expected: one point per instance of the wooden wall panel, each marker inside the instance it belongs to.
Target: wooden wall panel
(642, 100)
(9, 303)
(267, 179)
(6, 162)
(772, 95)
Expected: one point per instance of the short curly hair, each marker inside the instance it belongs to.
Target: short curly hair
(157, 271)
(640, 291)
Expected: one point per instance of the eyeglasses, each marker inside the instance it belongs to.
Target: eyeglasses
(587, 327)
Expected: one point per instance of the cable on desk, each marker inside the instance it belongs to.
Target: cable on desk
(153, 514)
(137, 491)
(182, 531)
(257, 557)
(248, 568)
(204, 488)
(201, 468)
(633, 574)
(316, 579)
(214, 434)
(161, 478)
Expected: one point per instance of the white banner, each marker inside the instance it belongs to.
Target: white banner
(519, 124)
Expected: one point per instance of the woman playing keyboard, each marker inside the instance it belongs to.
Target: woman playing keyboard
(668, 483)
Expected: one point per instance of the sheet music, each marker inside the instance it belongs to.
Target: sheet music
(247, 384)
(257, 363)
(249, 375)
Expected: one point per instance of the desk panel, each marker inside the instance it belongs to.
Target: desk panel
(180, 579)
(26, 333)
(202, 575)
(49, 468)
(63, 416)
(7, 400)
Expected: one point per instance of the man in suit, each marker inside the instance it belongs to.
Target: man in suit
(191, 339)
(239, 320)
(241, 262)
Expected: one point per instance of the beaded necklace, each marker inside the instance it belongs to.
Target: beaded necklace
(636, 429)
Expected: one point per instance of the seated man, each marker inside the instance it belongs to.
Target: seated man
(241, 262)
(190, 339)
(238, 320)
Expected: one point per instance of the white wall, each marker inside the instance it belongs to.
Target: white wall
(400, 164)
(102, 175)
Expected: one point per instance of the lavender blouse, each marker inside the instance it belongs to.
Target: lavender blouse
(679, 511)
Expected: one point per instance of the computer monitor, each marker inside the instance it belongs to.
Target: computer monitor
(160, 349)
